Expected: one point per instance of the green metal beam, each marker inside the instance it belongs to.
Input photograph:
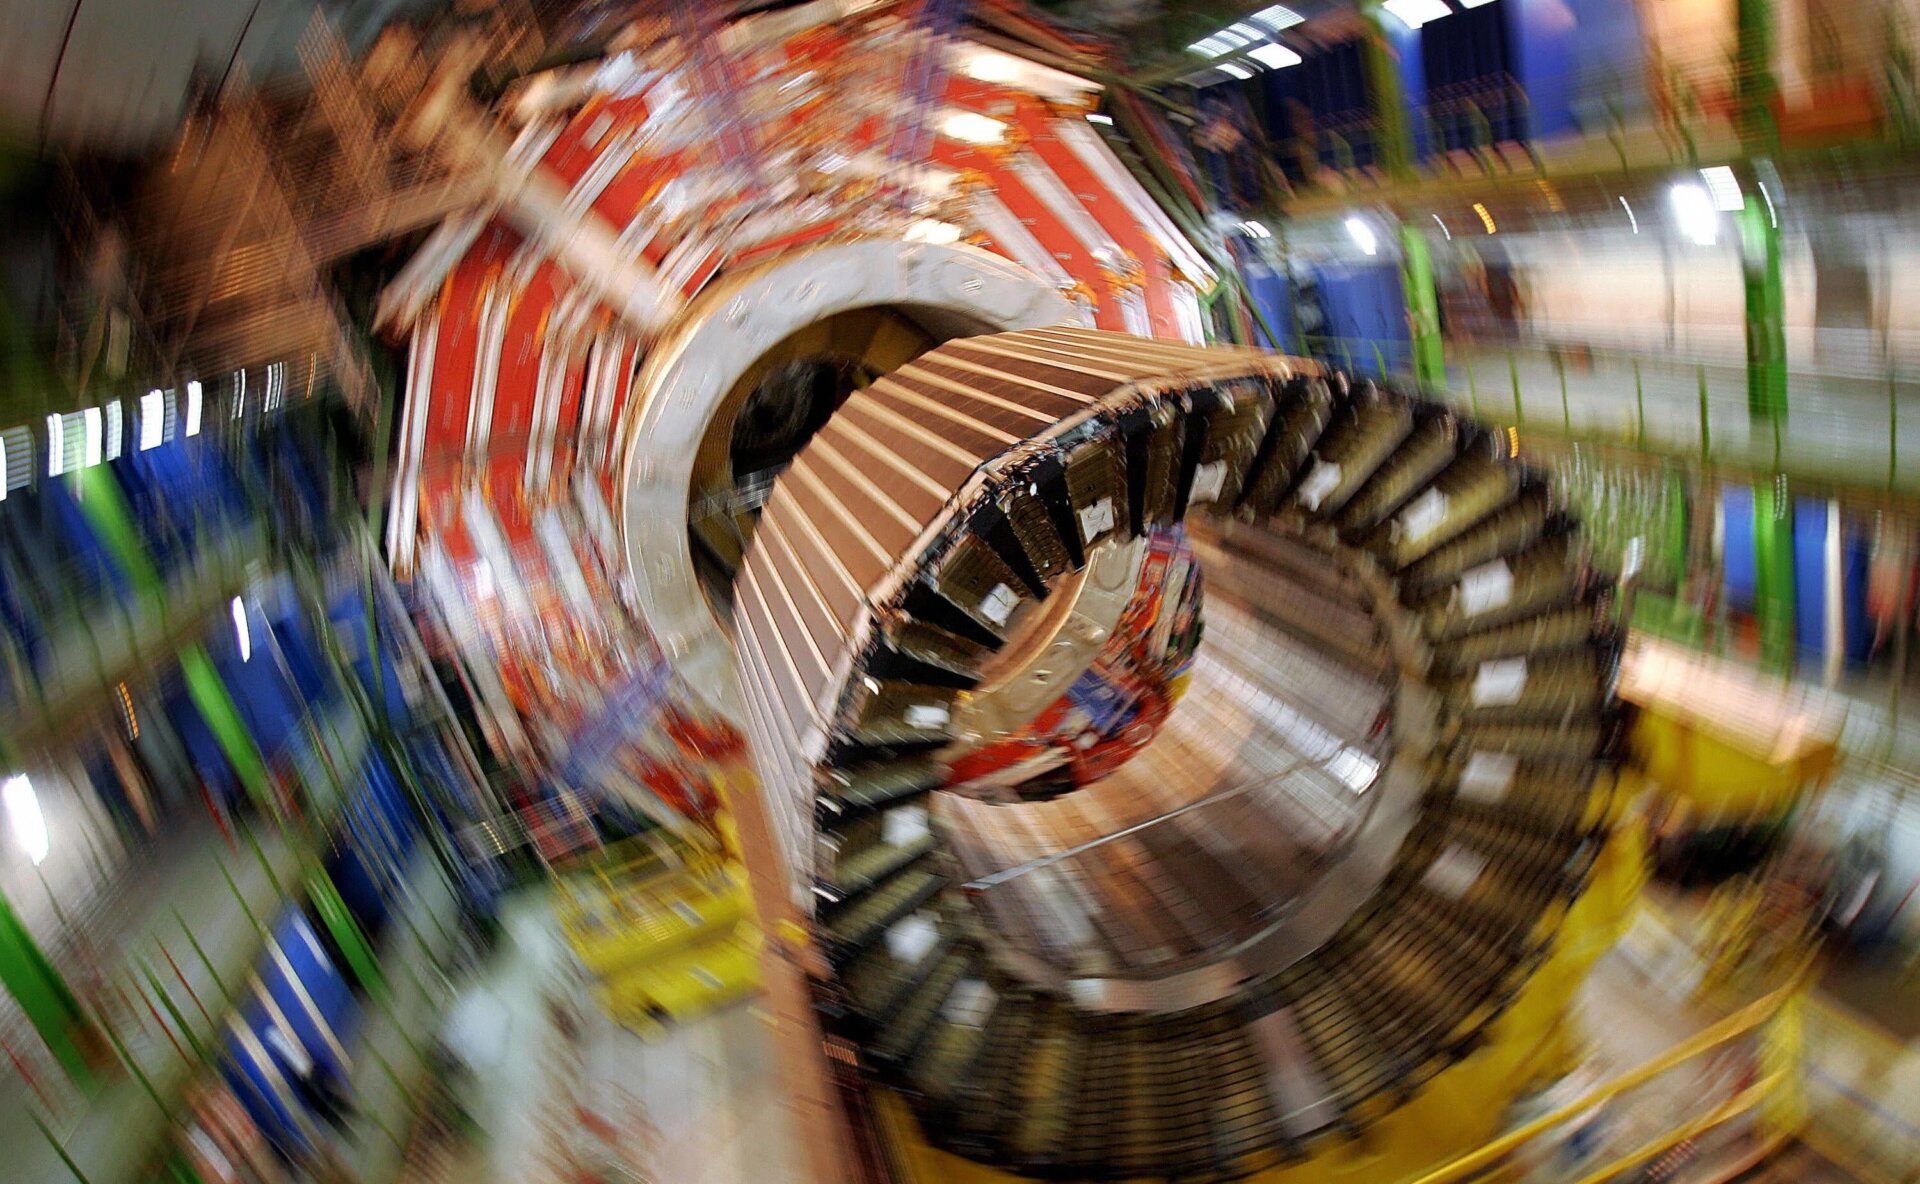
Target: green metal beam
(216, 706)
(1773, 573)
(50, 1005)
(1393, 146)
(1423, 309)
(1756, 89)
(1766, 321)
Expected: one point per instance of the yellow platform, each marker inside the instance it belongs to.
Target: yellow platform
(667, 932)
(1728, 743)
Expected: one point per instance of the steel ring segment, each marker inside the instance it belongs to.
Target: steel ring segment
(906, 544)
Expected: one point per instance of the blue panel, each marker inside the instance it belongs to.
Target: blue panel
(254, 1083)
(202, 749)
(1365, 311)
(303, 656)
(360, 889)
(266, 700)
(1856, 561)
(1271, 295)
(314, 973)
(1608, 80)
(1547, 34)
(1741, 573)
(1810, 573)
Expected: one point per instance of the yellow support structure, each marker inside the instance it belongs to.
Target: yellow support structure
(1729, 743)
(668, 933)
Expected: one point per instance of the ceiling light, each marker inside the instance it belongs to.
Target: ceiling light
(1631, 220)
(1256, 229)
(152, 421)
(1210, 47)
(23, 814)
(1235, 69)
(1096, 117)
(193, 408)
(91, 437)
(1277, 17)
(241, 632)
(56, 446)
(1486, 218)
(1236, 40)
(1243, 29)
(1693, 210)
(1724, 188)
(1414, 13)
(1363, 236)
(1274, 57)
(973, 128)
(1443, 227)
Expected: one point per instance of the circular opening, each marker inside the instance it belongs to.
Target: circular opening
(777, 405)
(1230, 747)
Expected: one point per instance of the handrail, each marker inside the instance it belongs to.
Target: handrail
(1745, 1020)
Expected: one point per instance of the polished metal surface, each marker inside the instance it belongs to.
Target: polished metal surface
(1331, 862)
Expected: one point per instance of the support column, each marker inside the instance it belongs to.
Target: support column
(1423, 309)
(1755, 86)
(1766, 322)
(1394, 146)
(1773, 599)
(44, 996)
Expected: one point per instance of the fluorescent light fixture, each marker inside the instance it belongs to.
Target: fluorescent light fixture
(1724, 188)
(1211, 47)
(56, 446)
(24, 816)
(93, 437)
(1242, 29)
(3, 469)
(1363, 236)
(1443, 227)
(239, 393)
(973, 128)
(988, 66)
(1773, 219)
(1486, 217)
(1274, 57)
(1631, 219)
(241, 631)
(1414, 13)
(1235, 69)
(1693, 211)
(931, 230)
(153, 423)
(1096, 117)
(1277, 17)
(116, 430)
(193, 408)
(1236, 40)
(1256, 229)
